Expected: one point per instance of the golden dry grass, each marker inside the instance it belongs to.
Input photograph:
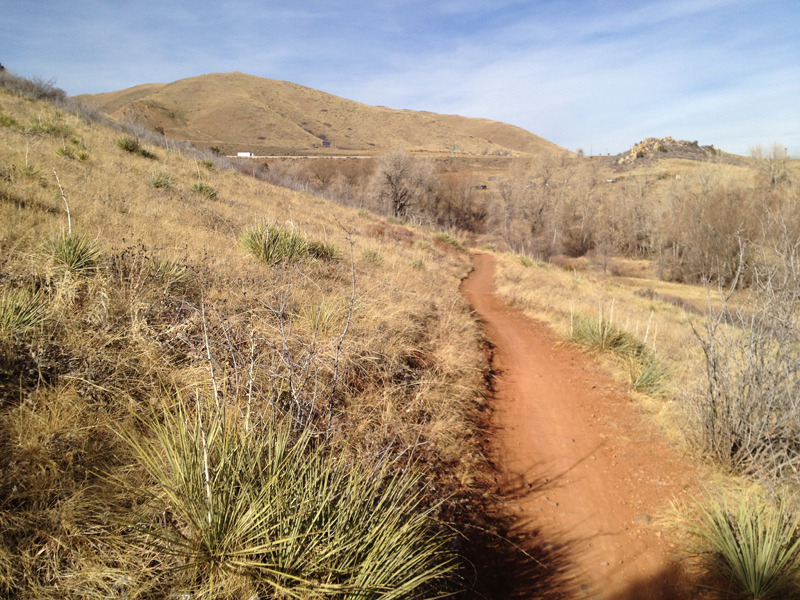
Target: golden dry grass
(173, 289)
(235, 111)
(652, 310)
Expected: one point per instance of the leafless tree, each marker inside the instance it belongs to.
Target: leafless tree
(400, 181)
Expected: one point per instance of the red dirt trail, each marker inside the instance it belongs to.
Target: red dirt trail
(582, 472)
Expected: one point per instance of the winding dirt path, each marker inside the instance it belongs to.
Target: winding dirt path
(582, 472)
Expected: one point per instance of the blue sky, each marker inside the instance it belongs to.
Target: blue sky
(591, 74)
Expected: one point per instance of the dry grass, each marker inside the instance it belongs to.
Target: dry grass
(655, 313)
(269, 117)
(391, 373)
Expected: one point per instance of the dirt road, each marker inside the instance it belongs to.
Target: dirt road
(582, 473)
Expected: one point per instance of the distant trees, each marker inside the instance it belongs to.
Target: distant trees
(401, 182)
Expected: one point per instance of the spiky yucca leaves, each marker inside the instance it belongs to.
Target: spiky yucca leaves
(274, 245)
(601, 335)
(752, 546)
(276, 513)
(20, 311)
(78, 254)
(134, 146)
(162, 180)
(645, 372)
(204, 189)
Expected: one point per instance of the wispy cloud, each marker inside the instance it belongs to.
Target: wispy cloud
(584, 73)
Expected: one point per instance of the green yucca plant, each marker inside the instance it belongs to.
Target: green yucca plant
(601, 335)
(749, 544)
(65, 151)
(9, 121)
(646, 373)
(204, 189)
(132, 145)
(162, 180)
(75, 253)
(272, 511)
(372, 256)
(274, 245)
(524, 260)
(322, 250)
(20, 311)
(169, 272)
(450, 240)
(129, 144)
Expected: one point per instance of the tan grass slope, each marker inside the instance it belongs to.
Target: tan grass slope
(126, 288)
(235, 111)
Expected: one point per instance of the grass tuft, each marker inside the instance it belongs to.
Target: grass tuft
(751, 546)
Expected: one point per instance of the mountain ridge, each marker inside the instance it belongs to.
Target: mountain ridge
(240, 112)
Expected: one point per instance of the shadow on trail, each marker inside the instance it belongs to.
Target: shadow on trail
(672, 583)
(515, 565)
(510, 558)
(524, 566)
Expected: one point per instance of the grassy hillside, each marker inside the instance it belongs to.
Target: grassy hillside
(234, 111)
(181, 346)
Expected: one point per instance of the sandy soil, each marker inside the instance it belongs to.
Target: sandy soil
(581, 472)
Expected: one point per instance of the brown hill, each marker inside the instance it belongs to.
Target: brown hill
(239, 112)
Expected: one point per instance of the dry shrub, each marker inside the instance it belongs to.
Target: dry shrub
(707, 239)
(747, 412)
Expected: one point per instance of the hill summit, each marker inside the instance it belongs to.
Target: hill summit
(653, 148)
(238, 112)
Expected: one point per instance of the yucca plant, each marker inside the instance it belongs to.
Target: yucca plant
(322, 250)
(601, 335)
(169, 272)
(272, 511)
(65, 151)
(129, 144)
(750, 545)
(450, 240)
(9, 121)
(372, 256)
(20, 311)
(204, 189)
(132, 145)
(162, 180)
(274, 245)
(75, 253)
(646, 373)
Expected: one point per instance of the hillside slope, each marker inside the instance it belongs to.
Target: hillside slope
(153, 307)
(235, 111)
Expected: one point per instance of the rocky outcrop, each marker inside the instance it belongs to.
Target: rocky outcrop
(667, 147)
